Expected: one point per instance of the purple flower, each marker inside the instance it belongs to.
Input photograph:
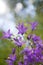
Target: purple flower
(18, 42)
(25, 57)
(9, 62)
(32, 56)
(33, 25)
(12, 58)
(25, 51)
(29, 37)
(37, 41)
(21, 28)
(7, 34)
(37, 55)
(26, 63)
(40, 46)
(13, 51)
(35, 38)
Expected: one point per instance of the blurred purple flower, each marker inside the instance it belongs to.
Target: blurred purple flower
(21, 28)
(20, 63)
(35, 38)
(7, 34)
(37, 41)
(32, 56)
(9, 62)
(33, 25)
(13, 51)
(25, 57)
(18, 42)
(12, 58)
(40, 46)
(25, 51)
(29, 37)
(26, 63)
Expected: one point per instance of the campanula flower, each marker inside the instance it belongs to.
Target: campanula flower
(12, 58)
(9, 62)
(35, 37)
(21, 28)
(29, 37)
(7, 34)
(18, 42)
(36, 40)
(32, 56)
(34, 25)
(25, 51)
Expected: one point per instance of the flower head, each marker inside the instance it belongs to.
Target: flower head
(22, 29)
(29, 37)
(7, 34)
(12, 58)
(18, 42)
(33, 25)
(32, 56)
(35, 37)
(25, 51)
(9, 62)
(36, 40)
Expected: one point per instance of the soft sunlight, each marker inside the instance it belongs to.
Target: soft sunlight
(3, 7)
(18, 7)
(6, 18)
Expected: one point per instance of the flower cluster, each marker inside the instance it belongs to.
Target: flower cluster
(32, 47)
